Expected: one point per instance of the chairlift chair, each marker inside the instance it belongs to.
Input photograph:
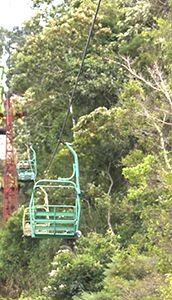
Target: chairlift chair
(27, 169)
(59, 220)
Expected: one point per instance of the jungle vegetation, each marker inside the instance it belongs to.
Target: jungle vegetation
(121, 128)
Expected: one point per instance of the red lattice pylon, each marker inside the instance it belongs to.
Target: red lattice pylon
(10, 189)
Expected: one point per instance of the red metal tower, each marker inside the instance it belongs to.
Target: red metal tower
(10, 184)
(8, 116)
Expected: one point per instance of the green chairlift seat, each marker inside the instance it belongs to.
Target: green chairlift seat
(27, 169)
(55, 221)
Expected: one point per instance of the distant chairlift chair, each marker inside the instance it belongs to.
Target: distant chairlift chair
(27, 169)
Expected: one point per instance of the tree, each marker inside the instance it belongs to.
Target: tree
(23, 263)
(3, 33)
(72, 275)
(122, 137)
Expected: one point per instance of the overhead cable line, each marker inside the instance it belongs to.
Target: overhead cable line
(76, 82)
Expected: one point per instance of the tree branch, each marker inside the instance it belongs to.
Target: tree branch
(109, 204)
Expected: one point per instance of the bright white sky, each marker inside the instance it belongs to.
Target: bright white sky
(14, 12)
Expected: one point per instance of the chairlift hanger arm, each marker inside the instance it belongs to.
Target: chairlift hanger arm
(75, 86)
(54, 221)
(3, 71)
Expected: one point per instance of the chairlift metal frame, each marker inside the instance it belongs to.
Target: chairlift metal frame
(55, 221)
(27, 169)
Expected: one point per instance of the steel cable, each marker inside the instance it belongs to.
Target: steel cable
(79, 72)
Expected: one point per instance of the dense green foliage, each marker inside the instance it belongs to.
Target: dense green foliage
(120, 127)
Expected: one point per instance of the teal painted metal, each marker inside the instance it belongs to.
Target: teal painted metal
(57, 221)
(27, 169)
(2, 91)
(3, 71)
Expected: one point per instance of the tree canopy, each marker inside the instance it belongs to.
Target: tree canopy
(119, 125)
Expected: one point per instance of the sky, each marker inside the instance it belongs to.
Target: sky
(14, 12)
